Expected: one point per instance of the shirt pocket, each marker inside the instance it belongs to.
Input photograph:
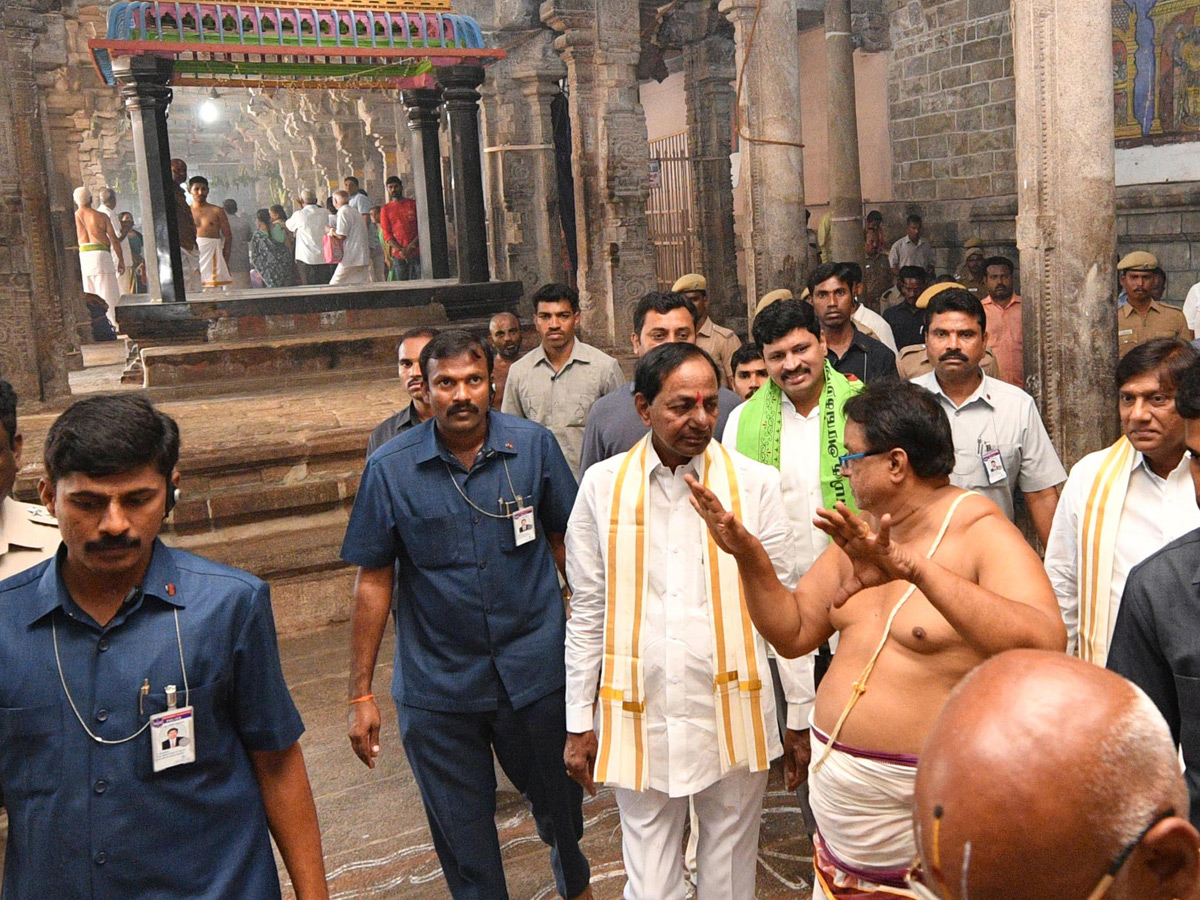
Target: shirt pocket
(214, 733)
(433, 542)
(576, 408)
(30, 751)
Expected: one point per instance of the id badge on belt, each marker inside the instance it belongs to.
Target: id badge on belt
(172, 735)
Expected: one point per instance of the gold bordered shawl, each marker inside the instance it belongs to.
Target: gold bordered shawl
(737, 662)
(1097, 536)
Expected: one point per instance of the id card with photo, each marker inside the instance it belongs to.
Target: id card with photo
(993, 465)
(524, 530)
(173, 738)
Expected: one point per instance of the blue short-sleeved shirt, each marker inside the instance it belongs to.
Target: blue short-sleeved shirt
(88, 820)
(476, 610)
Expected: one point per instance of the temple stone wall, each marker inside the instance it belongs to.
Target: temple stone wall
(950, 100)
(952, 114)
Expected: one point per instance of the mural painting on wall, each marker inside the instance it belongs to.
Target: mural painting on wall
(1156, 71)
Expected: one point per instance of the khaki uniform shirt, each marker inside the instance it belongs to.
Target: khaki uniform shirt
(1160, 321)
(561, 400)
(720, 343)
(28, 534)
(877, 280)
(972, 284)
(914, 362)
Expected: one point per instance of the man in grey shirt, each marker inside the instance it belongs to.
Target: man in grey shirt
(1000, 443)
(556, 383)
(239, 246)
(613, 425)
(1156, 641)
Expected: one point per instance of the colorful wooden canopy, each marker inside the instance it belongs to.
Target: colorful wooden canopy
(367, 44)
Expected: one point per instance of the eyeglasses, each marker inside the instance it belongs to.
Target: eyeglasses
(915, 879)
(844, 461)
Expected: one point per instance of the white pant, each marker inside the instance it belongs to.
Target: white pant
(729, 814)
(351, 275)
(191, 270)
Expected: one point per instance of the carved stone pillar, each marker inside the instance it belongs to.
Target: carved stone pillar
(34, 340)
(845, 181)
(459, 88)
(424, 117)
(143, 81)
(1065, 165)
(774, 237)
(600, 41)
(708, 72)
(526, 234)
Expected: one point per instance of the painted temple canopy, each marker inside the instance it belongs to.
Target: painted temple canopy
(366, 44)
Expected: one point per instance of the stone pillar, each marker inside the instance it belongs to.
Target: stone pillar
(708, 72)
(845, 183)
(34, 339)
(774, 237)
(1065, 165)
(600, 41)
(459, 88)
(424, 117)
(143, 81)
(526, 233)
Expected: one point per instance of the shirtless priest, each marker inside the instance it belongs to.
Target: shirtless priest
(97, 244)
(213, 237)
(929, 582)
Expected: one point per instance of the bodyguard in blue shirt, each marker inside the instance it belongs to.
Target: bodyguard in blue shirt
(471, 508)
(108, 648)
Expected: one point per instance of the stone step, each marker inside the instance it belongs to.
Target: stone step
(227, 363)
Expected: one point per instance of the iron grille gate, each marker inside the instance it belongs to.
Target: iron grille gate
(669, 209)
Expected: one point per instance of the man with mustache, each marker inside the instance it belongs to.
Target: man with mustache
(794, 423)
(468, 510)
(1142, 317)
(1124, 502)
(613, 424)
(1003, 309)
(693, 723)
(1154, 642)
(922, 587)
(906, 318)
(412, 342)
(1000, 443)
(504, 334)
(108, 645)
(556, 383)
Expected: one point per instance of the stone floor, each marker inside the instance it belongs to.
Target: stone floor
(376, 841)
(375, 838)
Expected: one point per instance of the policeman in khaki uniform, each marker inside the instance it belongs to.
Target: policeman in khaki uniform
(1143, 317)
(718, 342)
(28, 533)
(973, 271)
(914, 362)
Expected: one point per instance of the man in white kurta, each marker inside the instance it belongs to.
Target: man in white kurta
(685, 670)
(1124, 502)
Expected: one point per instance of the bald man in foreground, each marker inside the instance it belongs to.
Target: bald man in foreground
(1046, 776)
(929, 582)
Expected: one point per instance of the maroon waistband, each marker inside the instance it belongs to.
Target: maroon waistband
(900, 759)
(894, 878)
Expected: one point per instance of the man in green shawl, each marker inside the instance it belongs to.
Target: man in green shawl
(795, 423)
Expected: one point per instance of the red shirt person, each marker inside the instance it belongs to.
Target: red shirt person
(398, 221)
